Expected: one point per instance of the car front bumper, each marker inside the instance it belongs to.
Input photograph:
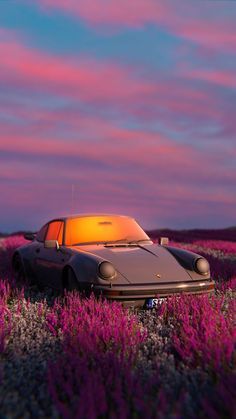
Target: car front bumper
(136, 295)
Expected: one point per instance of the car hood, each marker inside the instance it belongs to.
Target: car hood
(148, 263)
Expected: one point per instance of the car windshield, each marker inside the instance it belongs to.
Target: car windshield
(103, 229)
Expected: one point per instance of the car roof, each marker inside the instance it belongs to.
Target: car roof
(66, 217)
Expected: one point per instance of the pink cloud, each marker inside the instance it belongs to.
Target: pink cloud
(224, 78)
(152, 177)
(124, 12)
(217, 35)
(126, 149)
(106, 84)
(194, 22)
(82, 79)
(119, 146)
(146, 198)
(175, 104)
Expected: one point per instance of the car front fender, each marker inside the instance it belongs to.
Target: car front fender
(187, 259)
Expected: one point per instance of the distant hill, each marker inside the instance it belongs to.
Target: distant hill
(15, 233)
(188, 236)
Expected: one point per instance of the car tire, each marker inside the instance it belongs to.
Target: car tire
(18, 268)
(70, 283)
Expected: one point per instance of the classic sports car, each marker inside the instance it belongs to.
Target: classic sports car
(110, 255)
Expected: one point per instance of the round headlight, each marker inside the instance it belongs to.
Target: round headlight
(106, 270)
(202, 266)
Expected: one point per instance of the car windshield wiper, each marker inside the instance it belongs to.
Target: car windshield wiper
(102, 242)
(117, 241)
(124, 240)
(111, 242)
(86, 243)
(139, 241)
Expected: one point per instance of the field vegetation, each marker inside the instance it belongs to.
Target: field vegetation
(74, 358)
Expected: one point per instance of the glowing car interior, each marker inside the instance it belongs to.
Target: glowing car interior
(102, 229)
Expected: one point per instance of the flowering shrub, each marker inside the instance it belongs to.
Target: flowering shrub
(100, 344)
(95, 326)
(8, 247)
(85, 358)
(102, 387)
(221, 402)
(228, 248)
(227, 285)
(222, 269)
(106, 387)
(204, 332)
(225, 247)
(11, 243)
(5, 315)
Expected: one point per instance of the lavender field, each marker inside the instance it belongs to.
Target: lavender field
(73, 358)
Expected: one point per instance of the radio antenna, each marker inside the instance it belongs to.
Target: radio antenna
(72, 197)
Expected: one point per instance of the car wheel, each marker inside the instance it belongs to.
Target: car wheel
(18, 268)
(71, 282)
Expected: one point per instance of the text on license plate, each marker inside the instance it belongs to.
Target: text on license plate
(154, 302)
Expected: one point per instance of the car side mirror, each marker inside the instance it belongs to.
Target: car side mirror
(29, 236)
(51, 244)
(163, 241)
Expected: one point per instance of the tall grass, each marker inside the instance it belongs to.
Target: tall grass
(203, 329)
(94, 375)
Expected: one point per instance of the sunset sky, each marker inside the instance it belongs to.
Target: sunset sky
(133, 102)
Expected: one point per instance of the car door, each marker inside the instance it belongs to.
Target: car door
(50, 262)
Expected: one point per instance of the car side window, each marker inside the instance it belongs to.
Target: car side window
(55, 231)
(42, 233)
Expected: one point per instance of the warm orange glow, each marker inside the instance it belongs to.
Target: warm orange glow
(55, 231)
(100, 229)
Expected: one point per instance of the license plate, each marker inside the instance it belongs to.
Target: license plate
(153, 302)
